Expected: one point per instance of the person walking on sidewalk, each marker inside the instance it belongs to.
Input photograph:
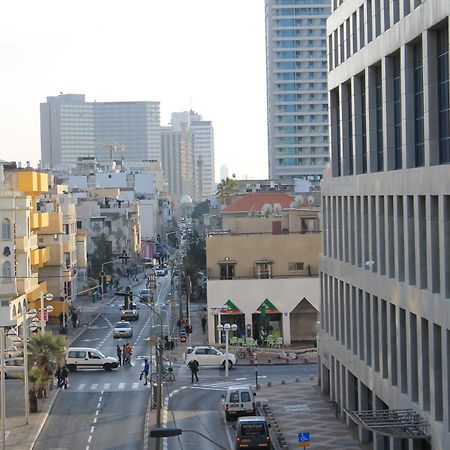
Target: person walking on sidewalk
(204, 324)
(146, 371)
(119, 354)
(193, 366)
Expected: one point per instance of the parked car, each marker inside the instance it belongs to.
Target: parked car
(89, 358)
(252, 433)
(239, 400)
(14, 368)
(208, 356)
(123, 329)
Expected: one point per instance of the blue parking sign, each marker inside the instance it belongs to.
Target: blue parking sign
(304, 439)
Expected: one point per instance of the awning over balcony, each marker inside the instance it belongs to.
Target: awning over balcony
(397, 423)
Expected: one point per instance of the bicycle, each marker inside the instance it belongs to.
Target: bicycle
(167, 375)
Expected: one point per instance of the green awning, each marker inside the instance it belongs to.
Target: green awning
(231, 308)
(267, 307)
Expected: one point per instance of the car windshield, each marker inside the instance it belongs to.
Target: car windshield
(123, 325)
(252, 429)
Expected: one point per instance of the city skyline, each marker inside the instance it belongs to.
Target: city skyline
(149, 64)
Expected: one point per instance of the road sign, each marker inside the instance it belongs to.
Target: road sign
(102, 274)
(304, 439)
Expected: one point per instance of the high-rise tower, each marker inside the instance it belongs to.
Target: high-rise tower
(297, 88)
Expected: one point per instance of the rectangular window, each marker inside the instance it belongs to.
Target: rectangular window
(434, 245)
(422, 232)
(226, 271)
(377, 18)
(395, 10)
(350, 128)
(437, 351)
(363, 124)
(296, 266)
(418, 107)
(400, 239)
(354, 323)
(362, 327)
(79, 225)
(393, 342)
(403, 352)
(384, 338)
(411, 240)
(376, 335)
(382, 233)
(369, 20)
(362, 42)
(443, 96)
(425, 365)
(397, 115)
(413, 357)
(390, 236)
(379, 118)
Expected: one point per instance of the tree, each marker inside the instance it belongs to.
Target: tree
(227, 190)
(46, 352)
(195, 260)
(102, 253)
(200, 209)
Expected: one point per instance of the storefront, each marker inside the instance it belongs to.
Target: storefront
(266, 321)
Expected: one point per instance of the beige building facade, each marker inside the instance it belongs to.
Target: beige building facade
(267, 282)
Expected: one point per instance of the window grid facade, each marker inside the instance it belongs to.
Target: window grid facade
(394, 229)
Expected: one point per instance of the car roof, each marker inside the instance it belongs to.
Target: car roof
(251, 419)
(240, 387)
(123, 321)
(82, 348)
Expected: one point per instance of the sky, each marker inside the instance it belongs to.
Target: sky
(204, 54)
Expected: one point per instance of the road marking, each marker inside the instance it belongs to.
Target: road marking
(99, 404)
(106, 386)
(92, 429)
(135, 386)
(121, 385)
(100, 399)
(239, 379)
(80, 387)
(96, 412)
(93, 387)
(95, 420)
(89, 439)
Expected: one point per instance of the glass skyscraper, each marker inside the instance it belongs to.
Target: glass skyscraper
(296, 52)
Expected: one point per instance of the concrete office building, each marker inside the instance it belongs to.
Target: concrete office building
(297, 107)
(385, 268)
(177, 161)
(203, 151)
(72, 128)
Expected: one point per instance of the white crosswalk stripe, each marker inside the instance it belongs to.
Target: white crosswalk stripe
(93, 387)
(108, 387)
(121, 385)
(135, 386)
(80, 387)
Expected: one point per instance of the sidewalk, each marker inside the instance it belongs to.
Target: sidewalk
(298, 406)
(23, 437)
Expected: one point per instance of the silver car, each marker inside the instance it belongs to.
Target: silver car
(14, 368)
(123, 329)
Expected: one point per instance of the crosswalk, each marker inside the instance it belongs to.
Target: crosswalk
(222, 385)
(107, 387)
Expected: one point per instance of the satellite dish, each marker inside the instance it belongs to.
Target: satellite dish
(277, 208)
(267, 208)
(293, 205)
(310, 199)
(299, 199)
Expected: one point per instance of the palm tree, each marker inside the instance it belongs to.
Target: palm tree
(46, 351)
(227, 190)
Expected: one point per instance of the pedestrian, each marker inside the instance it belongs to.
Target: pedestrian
(166, 342)
(204, 324)
(125, 355)
(61, 319)
(74, 319)
(58, 376)
(146, 371)
(193, 366)
(64, 380)
(119, 354)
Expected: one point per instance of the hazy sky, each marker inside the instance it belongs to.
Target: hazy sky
(208, 53)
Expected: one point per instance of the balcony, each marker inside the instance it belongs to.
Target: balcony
(39, 220)
(27, 285)
(69, 243)
(32, 182)
(39, 257)
(24, 244)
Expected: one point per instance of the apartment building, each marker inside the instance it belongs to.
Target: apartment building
(297, 104)
(385, 267)
(262, 271)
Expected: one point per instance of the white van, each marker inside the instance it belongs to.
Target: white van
(89, 358)
(239, 400)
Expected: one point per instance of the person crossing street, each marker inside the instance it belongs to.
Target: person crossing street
(193, 366)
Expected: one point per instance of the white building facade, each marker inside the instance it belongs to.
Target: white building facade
(385, 268)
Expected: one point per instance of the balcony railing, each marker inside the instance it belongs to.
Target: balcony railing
(256, 277)
(39, 220)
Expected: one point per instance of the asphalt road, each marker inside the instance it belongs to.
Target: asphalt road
(198, 406)
(106, 410)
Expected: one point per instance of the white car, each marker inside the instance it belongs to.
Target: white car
(14, 368)
(208, 356)
(123, 329)
(160, 272)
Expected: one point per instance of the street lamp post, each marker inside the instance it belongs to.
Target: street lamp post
(49, 308)
(226, 327)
